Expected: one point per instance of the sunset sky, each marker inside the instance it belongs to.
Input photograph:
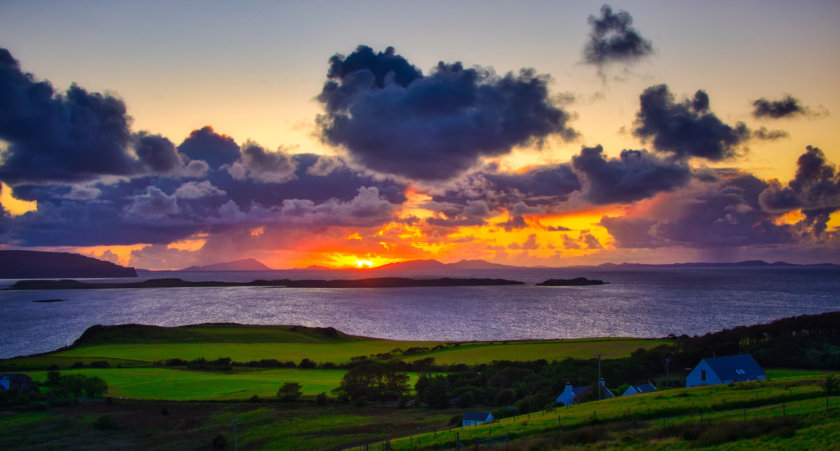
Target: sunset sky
(335, 133)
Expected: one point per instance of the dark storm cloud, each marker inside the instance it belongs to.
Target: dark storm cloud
(725, 214)
(815, 190)
(156, 152)
(777, 109)
(207, 145)
(635, 175)
(395, 120)
(687, 128)
(166, 208)
(528, 193)
(59, 137)
(613, 39)
(769, 135)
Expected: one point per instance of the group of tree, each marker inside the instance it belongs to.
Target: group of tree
(57, 390)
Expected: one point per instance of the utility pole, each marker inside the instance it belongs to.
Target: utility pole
(234, 421)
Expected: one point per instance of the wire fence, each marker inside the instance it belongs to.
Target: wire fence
(534, 423)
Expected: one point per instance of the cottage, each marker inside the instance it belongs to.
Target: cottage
(13, 382)
(725, 370)
(637, 389)
(569, 394)
(473, 418)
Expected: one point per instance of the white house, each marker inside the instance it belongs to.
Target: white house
(567, 398)
(637, 389)
(725, 370)
(473, 418)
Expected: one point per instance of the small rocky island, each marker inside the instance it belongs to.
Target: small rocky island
(576, 282)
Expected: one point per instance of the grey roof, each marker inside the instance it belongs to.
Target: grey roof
(476, 416)
(644, 388)
(741, 367)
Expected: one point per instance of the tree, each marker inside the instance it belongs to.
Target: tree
(53, 378)
(433, 391)
(95, 387)
(372, 381)
(290, 391)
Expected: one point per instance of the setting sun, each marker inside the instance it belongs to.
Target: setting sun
(364, 264)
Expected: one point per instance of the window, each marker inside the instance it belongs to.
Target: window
(703, 375)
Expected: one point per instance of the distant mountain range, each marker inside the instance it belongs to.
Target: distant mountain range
(247, 264)
(36, 264)
(434, 265)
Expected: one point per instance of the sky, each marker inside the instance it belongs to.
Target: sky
(351, 134)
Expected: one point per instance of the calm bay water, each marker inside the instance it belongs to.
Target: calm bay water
(636, 303)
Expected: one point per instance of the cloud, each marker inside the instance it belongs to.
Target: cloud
(712, 215)
(815, 190)
(769, 135)
(207, 145)
(152, 203)
(475, 212)
(635, 175)
(156, 152)
(613, 39)
(263, 166)
(197, 190)
(393, 119)
(51, 137)
(688, 128)
(777, 109)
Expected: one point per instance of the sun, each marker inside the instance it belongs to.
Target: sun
(364, 264)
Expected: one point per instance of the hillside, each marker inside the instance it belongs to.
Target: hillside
(248, 264)
(36, 264)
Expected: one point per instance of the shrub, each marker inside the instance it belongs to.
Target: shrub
(290, 391)
(321, 399)
(219, 442)
(105, 422)
(455, 420)
(504, 397)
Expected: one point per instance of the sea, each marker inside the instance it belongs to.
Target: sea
(638, 302)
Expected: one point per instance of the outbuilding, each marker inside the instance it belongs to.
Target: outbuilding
(638, 389)
(725, 370)
(570, 394)
(473, 418)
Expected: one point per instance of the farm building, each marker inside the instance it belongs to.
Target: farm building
(473, 418)
(16, 382)
(569, 394)
(725, 370)
(637, 389)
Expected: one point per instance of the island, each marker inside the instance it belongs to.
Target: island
(576, 282)
(379, 282)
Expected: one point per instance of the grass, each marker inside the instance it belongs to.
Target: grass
(800, 392)
(188, 385)
(485, 352)
(242, 352)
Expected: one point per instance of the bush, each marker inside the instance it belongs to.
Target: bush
(105, 422)
(219, 442)
(456, 420)
(307, 364)
(504, 397)
(321, 399)
(290, 391)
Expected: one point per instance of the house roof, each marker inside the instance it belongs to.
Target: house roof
(741, 367)
(644, 388)
(476, 416)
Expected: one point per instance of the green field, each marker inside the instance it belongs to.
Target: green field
(786, 392)
(190, 385)
(133, 346)
(584, 348)
(242, 352)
